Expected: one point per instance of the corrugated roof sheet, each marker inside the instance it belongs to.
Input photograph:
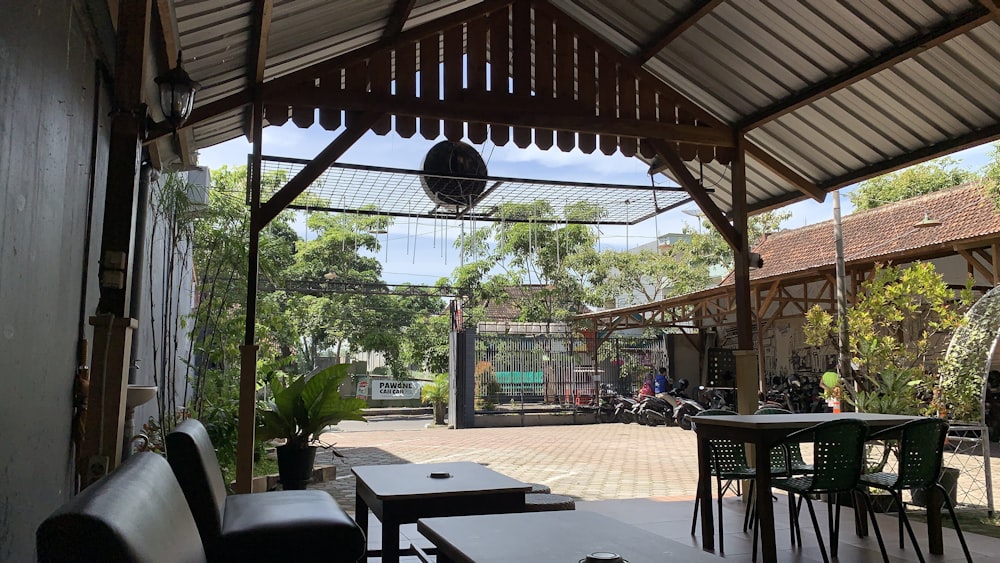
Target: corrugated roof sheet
(737, 61)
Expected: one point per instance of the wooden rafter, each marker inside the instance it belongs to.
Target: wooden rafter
(397, 18)
(986, 270)
(280, 200)
(774, 165)
(892, 56)
(672, 30)
(697, 193)
(260, 31)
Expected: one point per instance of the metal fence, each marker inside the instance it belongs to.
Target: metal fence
(514, 371)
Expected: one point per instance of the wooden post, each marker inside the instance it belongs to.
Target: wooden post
(102, 444)
(248, 351)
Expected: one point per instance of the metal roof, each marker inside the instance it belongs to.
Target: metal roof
(833, 90)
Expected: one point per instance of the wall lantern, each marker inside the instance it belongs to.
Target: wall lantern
(176, 94)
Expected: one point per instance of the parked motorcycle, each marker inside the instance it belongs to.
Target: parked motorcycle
(654, 411)
(686, 406)
(625, 409)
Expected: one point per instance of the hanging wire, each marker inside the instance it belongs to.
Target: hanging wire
(627, 221)
(656, 214)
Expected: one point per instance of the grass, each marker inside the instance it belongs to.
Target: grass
(971, 521)
(265, 466)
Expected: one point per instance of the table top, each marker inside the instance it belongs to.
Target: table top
(560, 537)
(413, 480)
(799, 420)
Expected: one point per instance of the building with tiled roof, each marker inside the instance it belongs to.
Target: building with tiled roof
(957, 229)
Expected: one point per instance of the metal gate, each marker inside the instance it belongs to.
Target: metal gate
(556, 371)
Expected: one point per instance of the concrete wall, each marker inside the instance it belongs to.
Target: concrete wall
(50, 130)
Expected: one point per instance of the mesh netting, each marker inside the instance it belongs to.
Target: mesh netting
(400, 193)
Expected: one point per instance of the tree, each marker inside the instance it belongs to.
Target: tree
(529, 245)
(910, 182)
(643, 276)
(709, 249)
(896, 330)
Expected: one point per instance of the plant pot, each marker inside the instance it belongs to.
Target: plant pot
(949, 480)
(439, 412)
(295, 466)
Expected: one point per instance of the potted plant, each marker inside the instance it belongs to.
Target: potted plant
(298, 414)
(436, 393)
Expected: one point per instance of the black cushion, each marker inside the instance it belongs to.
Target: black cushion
(137, 513)
(275, 526)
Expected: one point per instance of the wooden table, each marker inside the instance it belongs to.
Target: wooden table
(400, 494)
(559, 537)
(765, 431)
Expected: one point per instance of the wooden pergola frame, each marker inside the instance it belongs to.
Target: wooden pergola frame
(618, 106)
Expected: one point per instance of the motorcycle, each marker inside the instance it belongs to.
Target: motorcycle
(654, 411)
(625, 409)
(686, 406)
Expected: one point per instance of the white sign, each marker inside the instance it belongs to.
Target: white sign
(389, 389)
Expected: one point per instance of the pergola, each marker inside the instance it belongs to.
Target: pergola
(783, 100)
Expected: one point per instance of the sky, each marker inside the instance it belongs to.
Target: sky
(422, 252)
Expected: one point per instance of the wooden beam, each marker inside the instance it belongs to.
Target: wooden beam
(697, 193)
(774, 165)
(504, 109)
(260, 31)
(206, 112)
(995, 262)
(397, 18)
(171, 43)
(975, 263)
(666, 35)
(892, 56)
(287, 194)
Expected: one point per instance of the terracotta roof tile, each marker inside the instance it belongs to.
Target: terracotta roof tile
(881, 233)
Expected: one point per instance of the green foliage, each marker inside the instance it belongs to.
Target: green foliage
(436, 391)
(299, 412)
(991, 176)
(910, 182)
(643, 276)
(536, 250)
(708, 249)
(818, 327)
(426, 343)
(964, 366)
(896, 329)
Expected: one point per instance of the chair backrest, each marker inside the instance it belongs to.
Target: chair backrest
(137, 513)
(727, 456)
(921, 447)
(838, 454)
(778, 453)
(193, 459)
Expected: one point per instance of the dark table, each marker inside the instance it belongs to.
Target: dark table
(400, 494)
(765, 431)
(553, 537)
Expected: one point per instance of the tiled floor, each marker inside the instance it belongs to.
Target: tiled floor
(671, 518)
(639, 475)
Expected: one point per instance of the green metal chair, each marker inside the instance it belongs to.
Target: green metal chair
(921, 445)
(728, 464)
(778, 467)
(838, 459)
